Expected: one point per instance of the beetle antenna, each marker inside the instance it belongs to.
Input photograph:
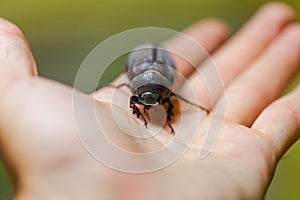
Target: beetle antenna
(191, 103)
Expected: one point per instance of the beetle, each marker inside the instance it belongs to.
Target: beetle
(151, 71)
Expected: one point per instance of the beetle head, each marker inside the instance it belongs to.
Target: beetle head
(150, 99)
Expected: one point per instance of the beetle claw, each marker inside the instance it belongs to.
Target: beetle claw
(136, 110)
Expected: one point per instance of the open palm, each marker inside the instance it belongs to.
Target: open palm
(42, 149)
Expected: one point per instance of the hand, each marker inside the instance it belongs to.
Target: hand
(41, 148)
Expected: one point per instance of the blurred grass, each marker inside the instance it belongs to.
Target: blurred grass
(62, 33)
(5, 187)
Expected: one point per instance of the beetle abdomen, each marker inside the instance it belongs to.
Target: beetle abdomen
(150, 57)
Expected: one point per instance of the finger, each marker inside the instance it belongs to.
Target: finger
(280, 122)
(193, 46)
(252, 39)
(264, 80)
(15, 54)
(240, 51)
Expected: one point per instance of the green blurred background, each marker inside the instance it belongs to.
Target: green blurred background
(61, 34)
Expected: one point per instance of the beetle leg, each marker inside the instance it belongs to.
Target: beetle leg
(122, 85)
(136, 110)
(187, 101)
(169, 114)
(114, 86)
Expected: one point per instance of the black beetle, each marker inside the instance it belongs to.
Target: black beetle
(151, 71)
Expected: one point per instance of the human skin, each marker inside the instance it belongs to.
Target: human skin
(46, 159)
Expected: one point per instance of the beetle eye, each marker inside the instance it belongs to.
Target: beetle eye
(150, 99)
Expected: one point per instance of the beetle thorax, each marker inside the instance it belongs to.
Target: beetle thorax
(149, 77)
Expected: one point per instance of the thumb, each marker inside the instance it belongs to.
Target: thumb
(15, 54)
(15, 58)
